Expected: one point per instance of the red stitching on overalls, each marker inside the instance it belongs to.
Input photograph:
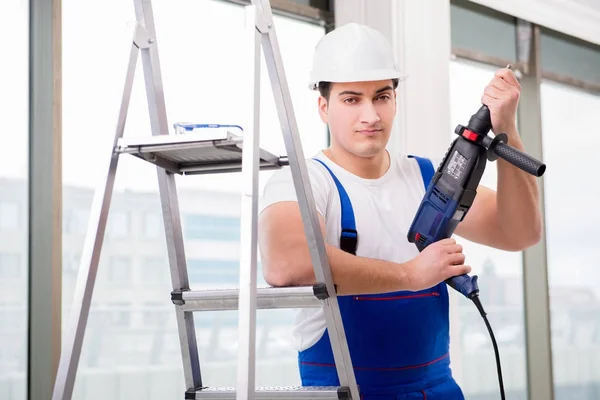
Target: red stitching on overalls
(424, 395)
(410, 296)
(382, 369)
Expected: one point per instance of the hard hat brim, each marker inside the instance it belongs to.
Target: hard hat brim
(359, 76)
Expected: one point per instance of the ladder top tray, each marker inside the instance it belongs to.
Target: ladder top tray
(195, 152)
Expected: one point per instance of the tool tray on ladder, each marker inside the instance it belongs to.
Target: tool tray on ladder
(195, 152)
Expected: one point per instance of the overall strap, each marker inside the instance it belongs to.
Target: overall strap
(349, 236)
(426, 167)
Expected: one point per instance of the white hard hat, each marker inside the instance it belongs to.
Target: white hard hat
(353, 53)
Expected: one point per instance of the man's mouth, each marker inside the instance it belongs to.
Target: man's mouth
(369, 132)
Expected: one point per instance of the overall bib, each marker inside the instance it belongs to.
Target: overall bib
(399, 342)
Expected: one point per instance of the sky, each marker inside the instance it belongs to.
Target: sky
(94, 66)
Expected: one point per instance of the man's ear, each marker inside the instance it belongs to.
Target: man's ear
(323, 109)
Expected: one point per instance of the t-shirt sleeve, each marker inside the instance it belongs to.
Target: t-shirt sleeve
(280, 187)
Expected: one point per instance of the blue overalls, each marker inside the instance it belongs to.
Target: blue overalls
(399, 342)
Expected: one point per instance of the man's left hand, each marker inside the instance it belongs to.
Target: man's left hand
(501, 96)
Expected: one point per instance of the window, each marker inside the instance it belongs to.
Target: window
(118, 225)
(155, 313)
(211, 227)
(154, 270)
(153, 225)
(214, 271)
(205, 79)
(475, 26)
(75, 221)
(119, 270)
(10, 266)
(120, 315)
(571, 237)
(220, 272)
(568, 56)
(500, 276)
(71, 264)
(9, 215)
(14, 182)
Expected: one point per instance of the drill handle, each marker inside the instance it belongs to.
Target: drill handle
(519, 159)
(480, 123)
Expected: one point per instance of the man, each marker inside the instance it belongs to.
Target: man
(399, 344)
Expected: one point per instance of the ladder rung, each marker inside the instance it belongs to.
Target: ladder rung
(271, 393)
(227, 299)
(195, 152)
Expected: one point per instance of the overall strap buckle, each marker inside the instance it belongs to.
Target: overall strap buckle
(349, 240)
(349, 235)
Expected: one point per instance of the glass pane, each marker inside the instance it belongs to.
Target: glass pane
(14, 116)
(131, 340)
(500, 278)
(572, 238)
(482, 30)
(569, 56)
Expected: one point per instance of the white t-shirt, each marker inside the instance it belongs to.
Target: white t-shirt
(383, 210)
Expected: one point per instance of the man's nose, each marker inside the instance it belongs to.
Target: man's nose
(369, 114)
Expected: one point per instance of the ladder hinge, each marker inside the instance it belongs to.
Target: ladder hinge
(190, 394)
(344, 393)
(177, 297)
(320, 291)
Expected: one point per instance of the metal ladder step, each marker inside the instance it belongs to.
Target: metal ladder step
(271, 393)
(195, 152)
(266, 298)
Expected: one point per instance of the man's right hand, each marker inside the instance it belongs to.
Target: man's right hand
(436, 263)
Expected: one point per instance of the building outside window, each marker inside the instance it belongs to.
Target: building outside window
(14, 202)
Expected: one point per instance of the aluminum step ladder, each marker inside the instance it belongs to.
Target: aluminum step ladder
(203, 153)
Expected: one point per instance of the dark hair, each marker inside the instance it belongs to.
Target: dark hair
(325, 88)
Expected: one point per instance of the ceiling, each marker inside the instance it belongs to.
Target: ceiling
(591, 4)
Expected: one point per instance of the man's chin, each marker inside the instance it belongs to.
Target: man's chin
(369, 151)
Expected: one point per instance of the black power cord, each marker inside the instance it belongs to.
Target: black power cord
(475, 298)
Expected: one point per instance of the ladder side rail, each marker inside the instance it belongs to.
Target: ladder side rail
(304, 194)
(246, 372)
(168, 195)
(90, 256)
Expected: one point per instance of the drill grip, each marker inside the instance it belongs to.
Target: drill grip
(464, 284)
(519, 159)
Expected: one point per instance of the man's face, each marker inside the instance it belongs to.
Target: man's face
(360, 115)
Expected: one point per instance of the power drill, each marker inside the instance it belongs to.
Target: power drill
(453, 188)
(451, 192)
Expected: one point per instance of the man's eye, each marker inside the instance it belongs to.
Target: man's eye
(350, 100)
(384, 97)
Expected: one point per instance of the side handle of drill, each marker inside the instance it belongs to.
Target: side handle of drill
(453, 188)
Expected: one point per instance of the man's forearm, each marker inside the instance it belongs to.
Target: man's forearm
(360, 275)
(355, 275)
(518, 200)
(351, 274)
